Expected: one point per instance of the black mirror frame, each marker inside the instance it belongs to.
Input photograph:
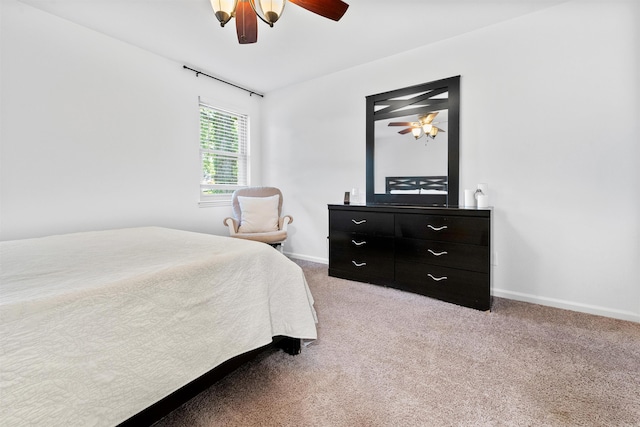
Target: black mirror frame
(453, 170)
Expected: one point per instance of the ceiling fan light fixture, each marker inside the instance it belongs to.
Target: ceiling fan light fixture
(247, 12)
(427, 127)
(224, 10)
(268, 11)
(417, 132)
(433, 132)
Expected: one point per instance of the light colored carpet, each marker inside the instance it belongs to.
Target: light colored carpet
(390, 358)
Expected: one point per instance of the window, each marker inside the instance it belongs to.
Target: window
(223, 152)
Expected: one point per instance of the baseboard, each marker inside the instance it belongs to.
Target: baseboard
(568, 305)
(307, 258)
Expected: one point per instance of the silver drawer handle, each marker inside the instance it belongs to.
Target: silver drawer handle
(444, 227)
(358, 243)
(436, 253)
(362, 221)
(362, 264)
(437, 279)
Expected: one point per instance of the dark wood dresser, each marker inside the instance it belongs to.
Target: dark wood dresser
(440, 252)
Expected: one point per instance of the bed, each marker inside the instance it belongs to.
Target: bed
(416, 185)
(97, 326)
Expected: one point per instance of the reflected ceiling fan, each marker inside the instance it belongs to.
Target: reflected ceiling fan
(247, 13)
(423, 127)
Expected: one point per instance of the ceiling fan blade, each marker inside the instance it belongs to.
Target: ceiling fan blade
(246, 23)
(439, 129)
(332, 9)
(401, 124)
(405, 131)
(429, 118)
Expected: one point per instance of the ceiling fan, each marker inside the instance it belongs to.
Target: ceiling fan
(247, 13)
(423, 127)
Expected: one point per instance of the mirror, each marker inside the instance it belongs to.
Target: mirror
(408, 161)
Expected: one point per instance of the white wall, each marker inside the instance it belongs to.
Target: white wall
(549, 118)
(99, 134)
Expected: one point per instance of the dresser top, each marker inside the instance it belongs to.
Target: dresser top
(425, 210)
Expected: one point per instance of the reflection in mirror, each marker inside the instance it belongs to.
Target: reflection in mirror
(412, 144)
(399, 153)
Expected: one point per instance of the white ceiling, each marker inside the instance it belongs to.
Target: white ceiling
(301, 46)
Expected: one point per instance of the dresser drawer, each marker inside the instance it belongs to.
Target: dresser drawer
(372, 223)
(462, 287)
(455, 229)
(361, 256)
(445, 254)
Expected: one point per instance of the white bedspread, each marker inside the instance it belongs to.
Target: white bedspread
(96, 326)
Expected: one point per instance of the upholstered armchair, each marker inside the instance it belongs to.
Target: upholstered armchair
(257, 215)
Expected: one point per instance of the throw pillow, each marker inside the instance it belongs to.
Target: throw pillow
(259, 214)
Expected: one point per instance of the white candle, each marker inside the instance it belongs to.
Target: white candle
(469, 198)
(483, 201)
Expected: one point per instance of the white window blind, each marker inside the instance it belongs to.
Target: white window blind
(223, 152)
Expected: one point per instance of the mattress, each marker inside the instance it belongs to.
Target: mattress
(96, 326)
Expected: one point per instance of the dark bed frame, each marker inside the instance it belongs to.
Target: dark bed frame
(174, 400)
(416, 183)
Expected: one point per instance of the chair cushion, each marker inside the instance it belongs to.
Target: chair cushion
(272, 237)
(259, 214)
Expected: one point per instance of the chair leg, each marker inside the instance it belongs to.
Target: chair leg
(279, 246)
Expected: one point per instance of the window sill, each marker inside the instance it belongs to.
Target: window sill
(214, 203)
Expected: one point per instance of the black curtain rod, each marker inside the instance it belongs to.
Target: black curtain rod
(223, 81)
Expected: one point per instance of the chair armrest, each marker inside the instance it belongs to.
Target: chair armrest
(232, 224)
(284, 221)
